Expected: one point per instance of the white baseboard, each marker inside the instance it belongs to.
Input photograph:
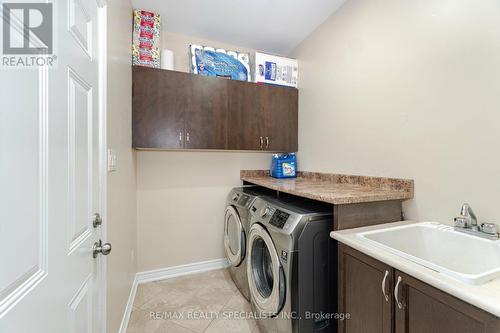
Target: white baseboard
(167, 273)
(171, 272)
(128, 308)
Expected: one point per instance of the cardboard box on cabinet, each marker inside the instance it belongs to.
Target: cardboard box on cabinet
(276, 70)
(146, 39)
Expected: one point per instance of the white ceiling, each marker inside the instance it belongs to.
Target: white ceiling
(266, 25)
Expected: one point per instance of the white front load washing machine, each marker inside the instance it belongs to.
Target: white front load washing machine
(291, 266)
(236, 221)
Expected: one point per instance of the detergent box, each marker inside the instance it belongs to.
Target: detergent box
(146, 39)
(276, 70)
(284, 166)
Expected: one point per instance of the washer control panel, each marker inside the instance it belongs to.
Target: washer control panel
(244, 200)
(279, 219)
(267, 211)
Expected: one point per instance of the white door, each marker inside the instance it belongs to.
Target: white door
(51, 180)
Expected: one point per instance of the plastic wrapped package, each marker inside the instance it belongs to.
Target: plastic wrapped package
(209, 61)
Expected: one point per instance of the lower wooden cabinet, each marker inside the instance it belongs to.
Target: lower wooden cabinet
(360, 282)
(425, 309)
(369, 291)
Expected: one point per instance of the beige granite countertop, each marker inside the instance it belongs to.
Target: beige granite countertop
(334, 188)
(484, 296)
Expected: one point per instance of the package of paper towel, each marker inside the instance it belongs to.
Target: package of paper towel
(209, 61)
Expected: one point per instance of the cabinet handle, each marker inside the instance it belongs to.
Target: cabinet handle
(396, 293)
(384, 283)
(187, 137)
(267, 142)
(261, 142)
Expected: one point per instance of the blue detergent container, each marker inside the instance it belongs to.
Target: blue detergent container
(284, 166)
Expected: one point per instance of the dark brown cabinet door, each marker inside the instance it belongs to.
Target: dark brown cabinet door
(174, 110)
(206, 113)
(361, 283)
(159, 105)
(424, 309)
(246, 121)
(281, 118)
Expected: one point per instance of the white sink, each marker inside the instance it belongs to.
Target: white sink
(467, 258)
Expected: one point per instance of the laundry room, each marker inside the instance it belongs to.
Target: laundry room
(234, 166)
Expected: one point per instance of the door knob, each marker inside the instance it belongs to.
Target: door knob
(101, 248)
(97, 220)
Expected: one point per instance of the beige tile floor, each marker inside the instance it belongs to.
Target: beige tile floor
(202, 303)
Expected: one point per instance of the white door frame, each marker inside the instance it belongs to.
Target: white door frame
(103, 152)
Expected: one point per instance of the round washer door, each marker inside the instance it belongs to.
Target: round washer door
(265, 274)
(234, 237)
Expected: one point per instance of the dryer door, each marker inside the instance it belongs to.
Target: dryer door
(234, 237)
(265, 273)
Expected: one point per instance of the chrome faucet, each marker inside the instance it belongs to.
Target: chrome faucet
(467, 222)
(467, 218)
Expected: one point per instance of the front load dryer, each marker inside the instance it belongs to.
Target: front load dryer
(236, 223)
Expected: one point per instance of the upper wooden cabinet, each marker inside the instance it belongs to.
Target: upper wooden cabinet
(246, 123)
(280, 113)
(206, 113)
(175, 110)
(156, 100)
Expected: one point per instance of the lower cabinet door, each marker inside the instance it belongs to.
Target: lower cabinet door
(365, 293)
(420, 308)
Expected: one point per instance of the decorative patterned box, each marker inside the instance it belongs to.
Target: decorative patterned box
(146, 39)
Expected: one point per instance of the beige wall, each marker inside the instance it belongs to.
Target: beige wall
(181, 195)
(181, 198)
(121, 221)
(406, 88)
